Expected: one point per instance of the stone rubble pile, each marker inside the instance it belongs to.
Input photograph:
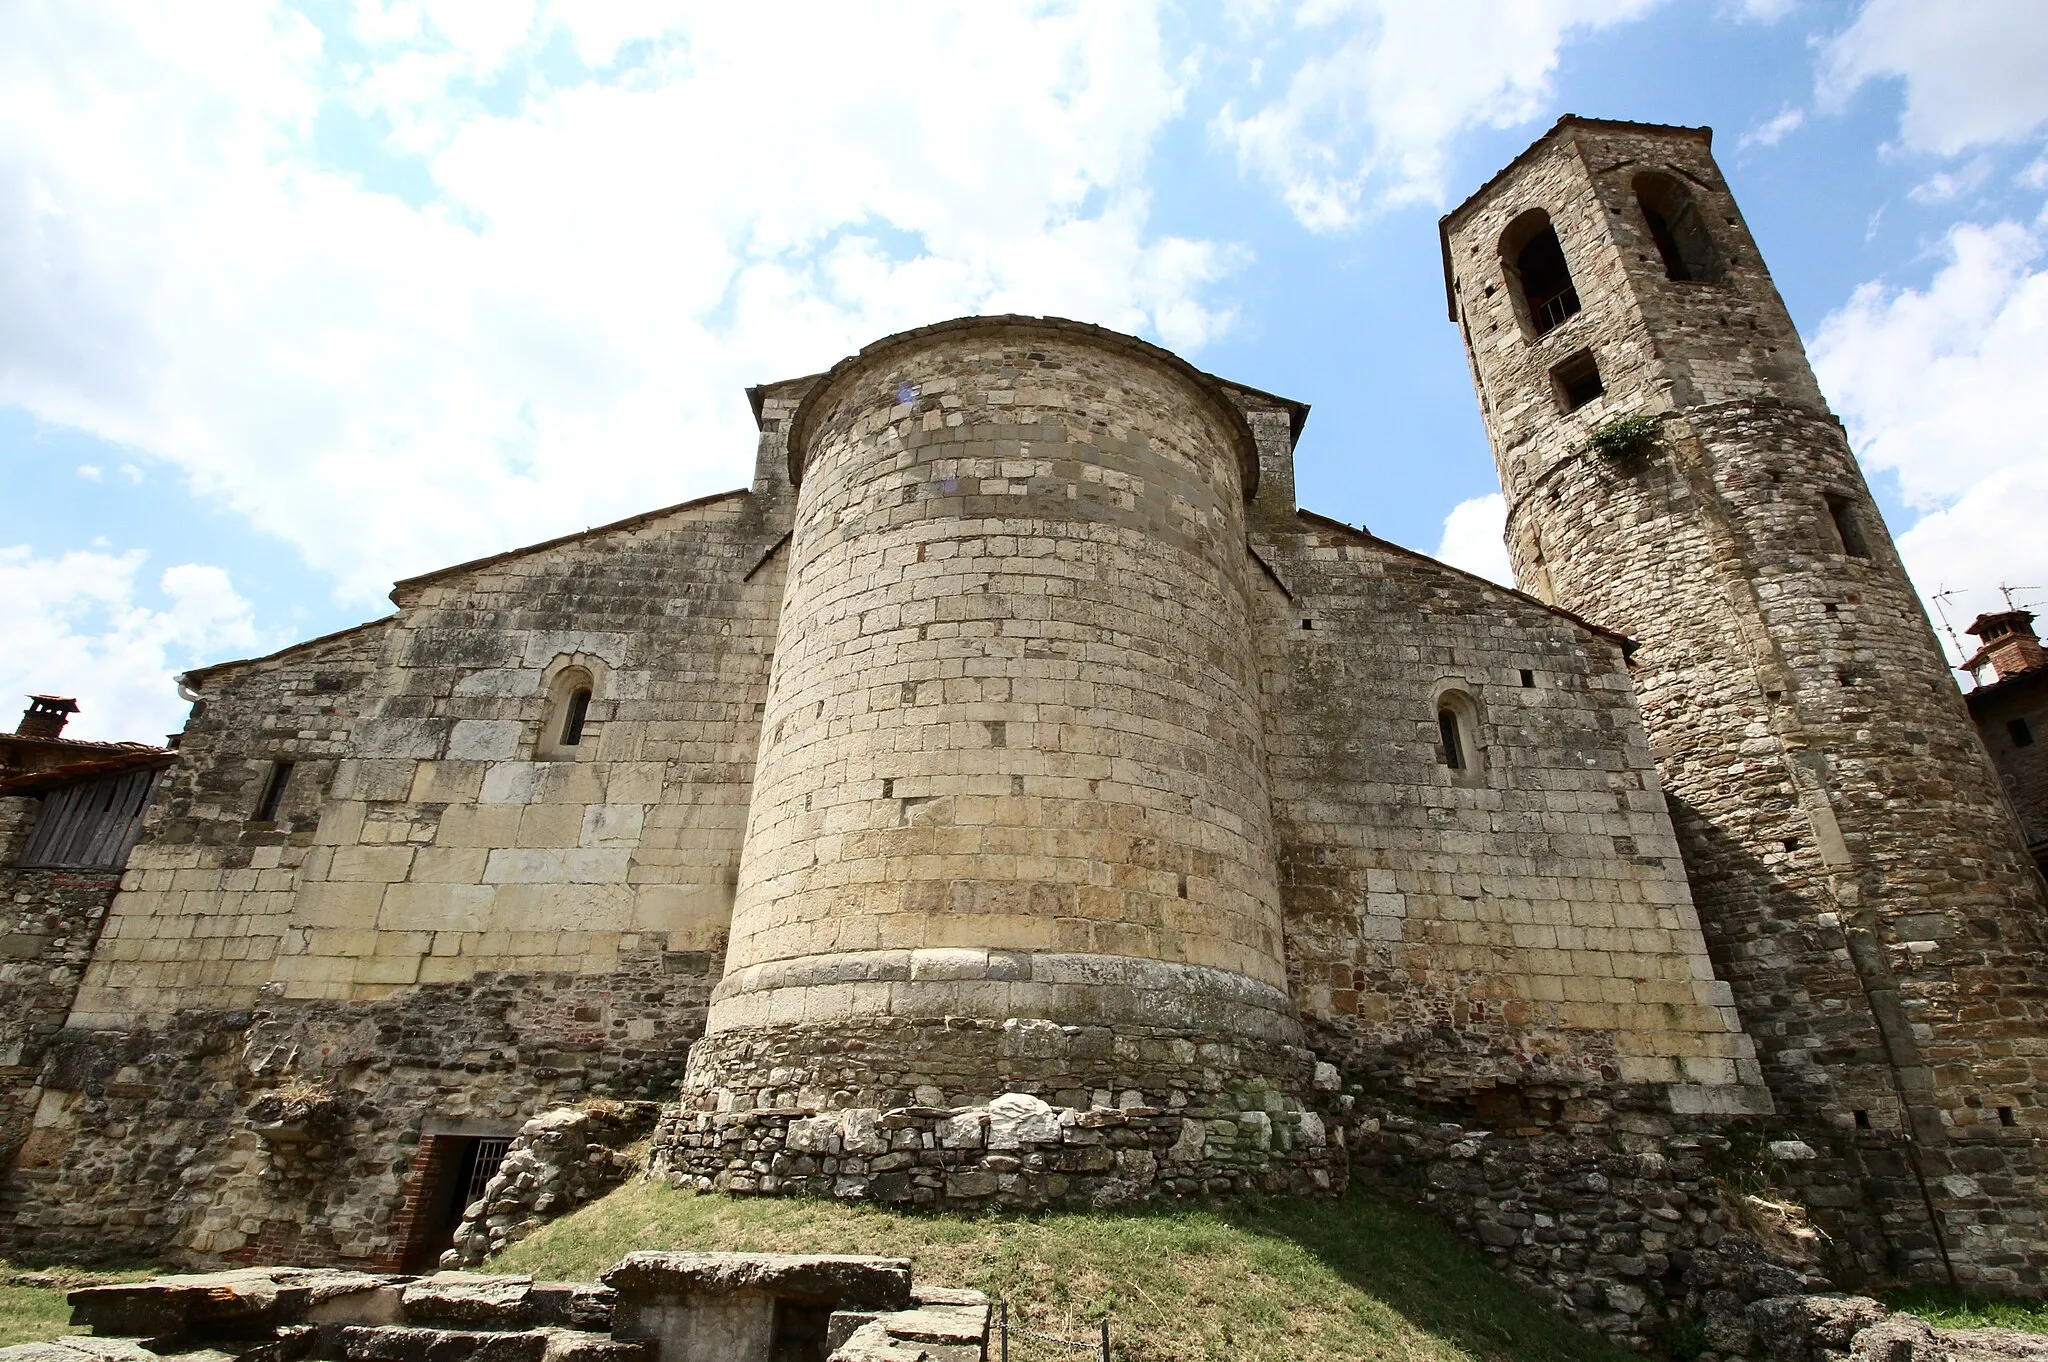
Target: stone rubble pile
(558, 1161)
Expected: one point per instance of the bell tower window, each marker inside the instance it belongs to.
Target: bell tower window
(1679, 231)
(1536, 266)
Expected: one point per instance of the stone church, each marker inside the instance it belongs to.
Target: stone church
(1015, 737)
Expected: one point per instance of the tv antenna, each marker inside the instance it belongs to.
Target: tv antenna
(1941, 601)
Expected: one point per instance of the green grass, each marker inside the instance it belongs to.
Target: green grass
(29, 1314)
(1285, 1278)
(1945, 1308)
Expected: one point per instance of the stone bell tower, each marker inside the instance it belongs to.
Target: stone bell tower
(1672, 471)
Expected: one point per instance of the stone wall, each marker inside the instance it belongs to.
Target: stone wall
(1518, 934)
(291, 1133)
(209, 890)
(443, 923)
(49, 923)
(2022, 770)
(1861, 884)
(1621, 1226)
(1015, 1151)
(456, 842)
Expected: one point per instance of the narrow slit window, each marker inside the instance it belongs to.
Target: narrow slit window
(570, 692)
(573, 715)
(1578, 381)
(273, 791)
(2022, 735)
(1536, 260)
(1847, 530)
(1453, 741)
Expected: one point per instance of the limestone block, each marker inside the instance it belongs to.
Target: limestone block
(556, 866)
(419, 739)
(511, 782)
(860, 1131)
(612, 825)
(371, 864)
(1016, 1119)
(436, 907)
(551, 825)
(837, 1281)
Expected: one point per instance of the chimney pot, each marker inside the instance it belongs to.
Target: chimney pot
(46, 716)
(2009, 644)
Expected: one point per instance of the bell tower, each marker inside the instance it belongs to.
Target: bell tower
(1672, 471)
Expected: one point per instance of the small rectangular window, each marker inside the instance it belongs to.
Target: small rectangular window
(1578, 380)
(1862, 1120)
(1528, 679)
(1846, 528)
(2022, 736)
(1454, 749)
(273, 791)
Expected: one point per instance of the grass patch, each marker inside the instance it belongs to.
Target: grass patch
(1278, 1279)
(29, 1314)
(1947, 1308)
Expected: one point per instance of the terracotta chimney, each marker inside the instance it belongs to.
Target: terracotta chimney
(2009, 645)
(46, 716)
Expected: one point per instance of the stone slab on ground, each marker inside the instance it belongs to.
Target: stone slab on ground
(247, 1302)
(830, 1280)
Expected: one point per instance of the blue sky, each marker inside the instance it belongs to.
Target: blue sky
(302, 298)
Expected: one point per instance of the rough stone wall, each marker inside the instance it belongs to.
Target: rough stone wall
(1861, 884)
(49, 922)
(1517, 935)
(1016, 1150)
(1011, 758)
(2022, 771)
(288, 1134)
(1623, 1227)
(209, 891)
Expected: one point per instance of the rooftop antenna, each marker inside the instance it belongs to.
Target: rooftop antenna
(1941, 599)
(2007, 591)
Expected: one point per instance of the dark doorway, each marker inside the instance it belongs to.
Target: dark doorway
(800, 1332)
(458, 1168)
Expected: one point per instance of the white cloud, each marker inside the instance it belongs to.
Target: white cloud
(91, 472)
(1762, 11)
(1369, 115)
(1972, 71)
(558, 331)
(75, 625)
(1774, 131)
(1938, 387)
(1475, 538)
(1946, 185)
